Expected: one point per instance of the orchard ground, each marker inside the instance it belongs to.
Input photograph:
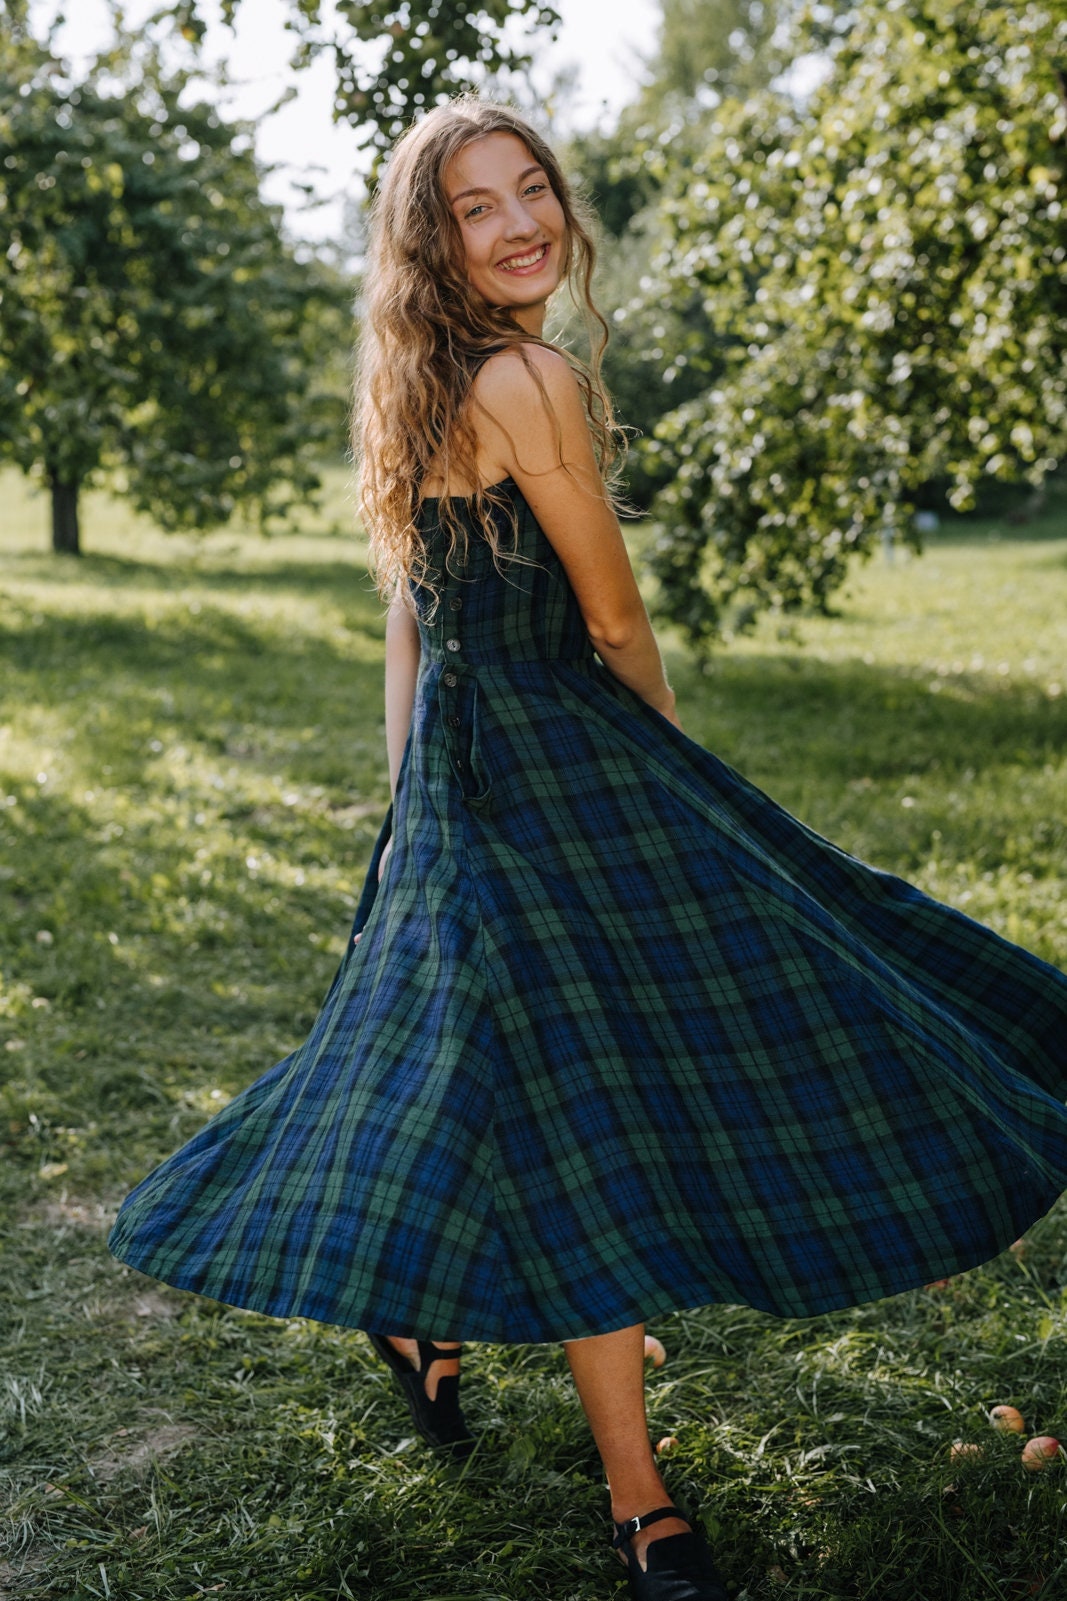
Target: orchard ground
(191, 775)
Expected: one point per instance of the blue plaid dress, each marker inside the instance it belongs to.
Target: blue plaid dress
(620, 1036)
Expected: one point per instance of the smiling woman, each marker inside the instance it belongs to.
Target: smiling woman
(496, 227)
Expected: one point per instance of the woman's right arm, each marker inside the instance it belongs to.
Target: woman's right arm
(401, 671)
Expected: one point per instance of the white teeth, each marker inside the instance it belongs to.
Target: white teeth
(524, 261)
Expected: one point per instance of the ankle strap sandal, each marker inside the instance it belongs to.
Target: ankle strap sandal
(680, 1566)
(440, 1422)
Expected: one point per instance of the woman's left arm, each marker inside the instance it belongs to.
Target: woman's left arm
(541, 437)
(402, 655)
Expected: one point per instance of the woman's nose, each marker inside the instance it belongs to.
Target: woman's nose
(519, 223)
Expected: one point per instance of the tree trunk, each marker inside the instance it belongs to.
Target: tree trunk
(66, 538)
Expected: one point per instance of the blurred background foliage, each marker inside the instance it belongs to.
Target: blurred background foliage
(833, 306)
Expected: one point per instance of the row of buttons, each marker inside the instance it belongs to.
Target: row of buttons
(452, 679)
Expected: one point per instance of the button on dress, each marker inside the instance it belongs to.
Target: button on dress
(620, 1036)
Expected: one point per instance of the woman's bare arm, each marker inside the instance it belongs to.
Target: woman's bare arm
(541, 438)
(401, 671)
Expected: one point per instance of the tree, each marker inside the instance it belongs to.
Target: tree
(153, 320)
(394, 58)
(884, 300)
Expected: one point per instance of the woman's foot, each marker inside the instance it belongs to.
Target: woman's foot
(672, 1562)
(640, 1539)
(438, 1369)
(428, 1376)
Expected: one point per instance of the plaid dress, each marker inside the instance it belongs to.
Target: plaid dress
(620, 1036)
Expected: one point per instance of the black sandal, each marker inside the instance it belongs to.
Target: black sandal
(440, 1422)
(680, 1566)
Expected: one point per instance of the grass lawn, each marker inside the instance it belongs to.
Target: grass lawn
(191, 776)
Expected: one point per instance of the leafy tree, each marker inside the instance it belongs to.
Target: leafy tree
(394, 58)
(707, 50)
(884, 303)
(152, 317)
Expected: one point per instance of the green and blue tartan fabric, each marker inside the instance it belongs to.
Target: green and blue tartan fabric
(620, 1036)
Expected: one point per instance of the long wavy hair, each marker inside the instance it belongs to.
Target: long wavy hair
(425, 331)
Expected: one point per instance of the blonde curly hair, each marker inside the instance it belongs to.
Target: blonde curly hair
(425, 332)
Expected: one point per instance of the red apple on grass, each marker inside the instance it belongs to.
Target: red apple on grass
(1040, 1451)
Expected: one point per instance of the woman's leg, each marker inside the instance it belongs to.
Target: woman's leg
(609, 1374)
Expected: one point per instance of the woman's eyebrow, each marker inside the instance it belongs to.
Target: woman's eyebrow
(464, 193)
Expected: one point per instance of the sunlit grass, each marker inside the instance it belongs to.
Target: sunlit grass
(191, 774)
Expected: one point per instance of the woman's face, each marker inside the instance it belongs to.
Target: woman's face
(512, 226)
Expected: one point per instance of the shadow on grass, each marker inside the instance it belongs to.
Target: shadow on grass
(1012, 522)
(159, 963)
(847, 720)
(1050, 527)
(206, 570)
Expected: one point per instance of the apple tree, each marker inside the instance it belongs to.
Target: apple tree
(884, 302)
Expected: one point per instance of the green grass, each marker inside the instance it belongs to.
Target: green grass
(191, 775)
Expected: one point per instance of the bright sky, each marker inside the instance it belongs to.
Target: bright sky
(604, 39)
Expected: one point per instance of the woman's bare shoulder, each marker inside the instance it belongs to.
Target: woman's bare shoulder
(522, 374)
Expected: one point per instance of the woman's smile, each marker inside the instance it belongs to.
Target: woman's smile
(525, 263)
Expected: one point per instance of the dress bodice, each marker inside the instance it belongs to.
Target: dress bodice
(490, 611)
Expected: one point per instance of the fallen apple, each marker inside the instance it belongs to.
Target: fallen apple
(668, 1443)
(961, 1449)
(1008, 1419)
(654, 1348)
(1040, 1451)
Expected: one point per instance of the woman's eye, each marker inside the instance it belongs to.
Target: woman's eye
(473, 212)
(536, 188)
